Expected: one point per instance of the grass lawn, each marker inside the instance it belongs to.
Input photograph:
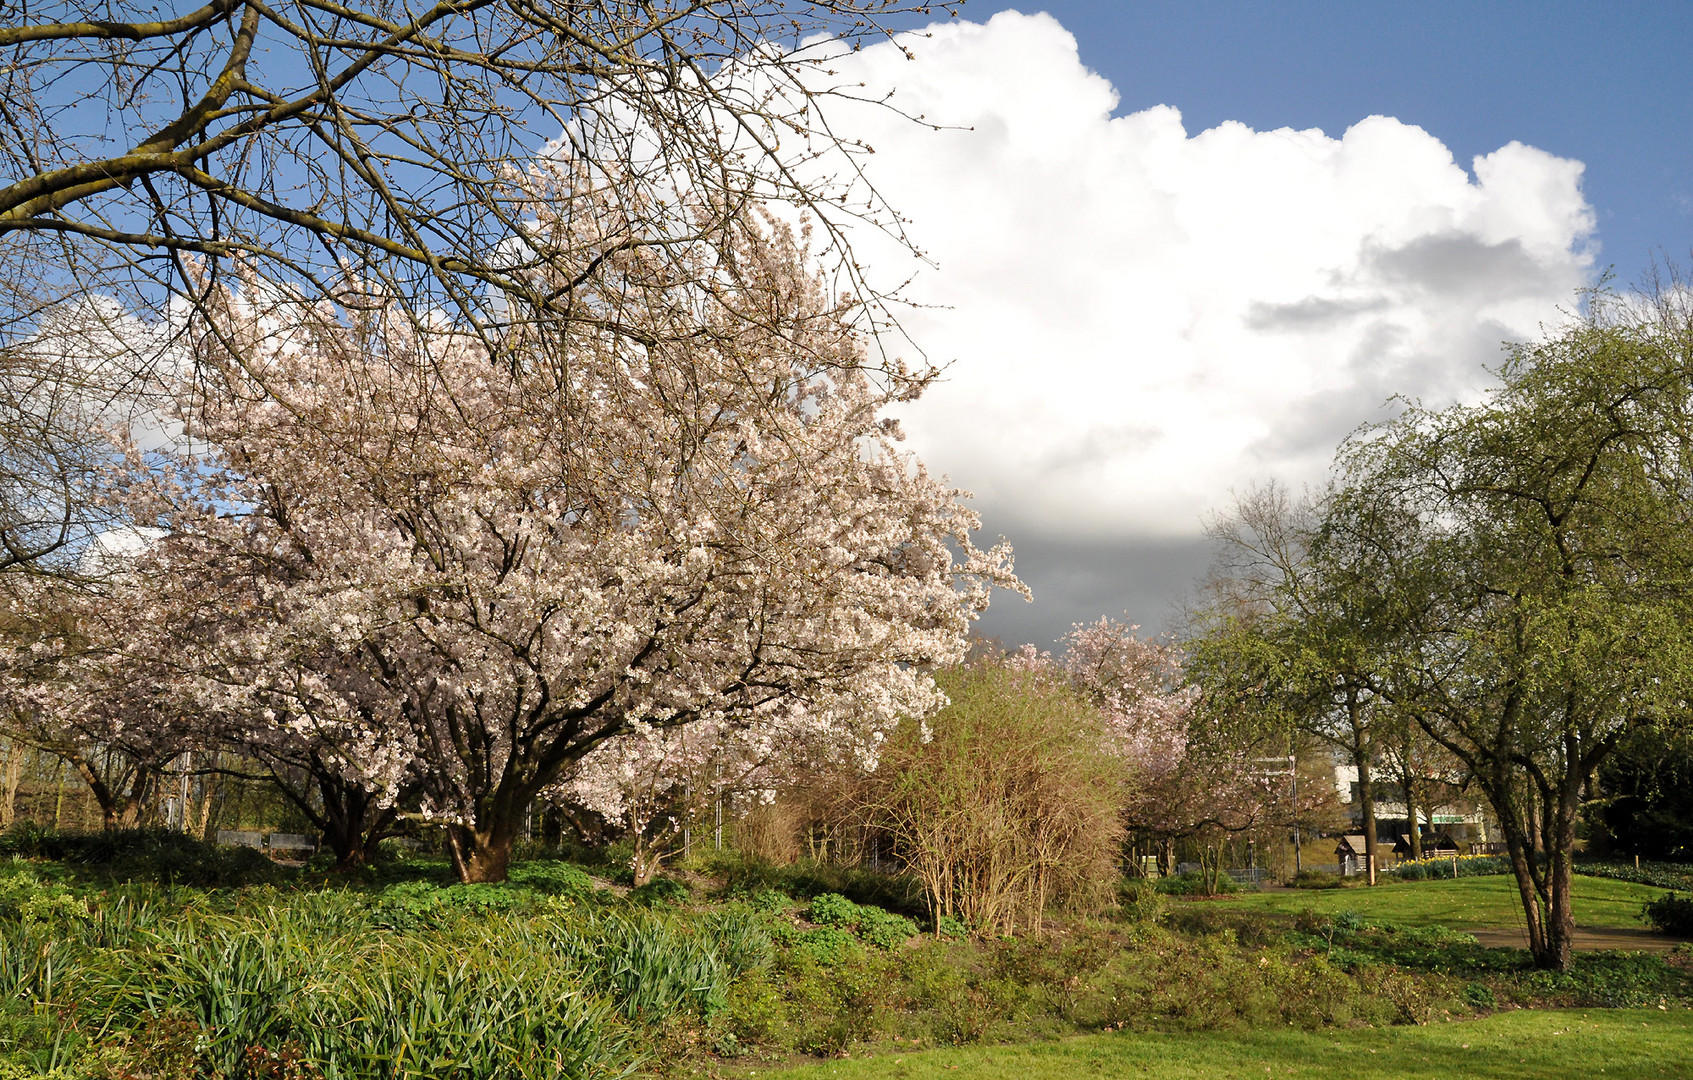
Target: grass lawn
(1638, 1044)
(1465, 904)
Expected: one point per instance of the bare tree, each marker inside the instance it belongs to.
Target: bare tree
(396, 144)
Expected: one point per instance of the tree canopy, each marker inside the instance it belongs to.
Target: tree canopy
(1532, 553)
(460, 577)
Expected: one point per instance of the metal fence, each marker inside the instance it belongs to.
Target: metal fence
(1243, 875)
(276, 844)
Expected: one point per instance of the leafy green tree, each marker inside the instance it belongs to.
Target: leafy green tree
(1292, 641)
(1531, 553)
(1646, 804)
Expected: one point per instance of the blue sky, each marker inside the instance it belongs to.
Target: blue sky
(1609, 85)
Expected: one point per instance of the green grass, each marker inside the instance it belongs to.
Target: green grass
(1636, 1043)
(1479, 903)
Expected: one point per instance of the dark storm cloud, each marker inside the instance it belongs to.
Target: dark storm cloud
(1143, 579)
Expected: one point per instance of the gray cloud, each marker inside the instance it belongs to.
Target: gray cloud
(1097, 446)
(1459, 264)
(1314, 313)
(1380, 366)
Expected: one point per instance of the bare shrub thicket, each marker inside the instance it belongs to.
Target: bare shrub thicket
(1005, 803)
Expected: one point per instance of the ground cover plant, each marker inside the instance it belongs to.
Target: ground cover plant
(1666, 875)
(400, 971)
(1448, 866)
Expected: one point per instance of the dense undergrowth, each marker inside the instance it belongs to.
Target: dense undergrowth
(118, 969)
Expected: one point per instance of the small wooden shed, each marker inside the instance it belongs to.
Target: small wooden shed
(1349, 854)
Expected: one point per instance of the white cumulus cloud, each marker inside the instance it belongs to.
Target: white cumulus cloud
(1139, 318)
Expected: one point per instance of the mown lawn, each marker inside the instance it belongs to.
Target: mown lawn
(1465, 904)
(1640, 1044)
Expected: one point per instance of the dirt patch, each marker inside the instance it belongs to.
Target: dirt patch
(1588, 939)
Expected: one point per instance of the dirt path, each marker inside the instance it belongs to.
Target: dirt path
(1588, 939)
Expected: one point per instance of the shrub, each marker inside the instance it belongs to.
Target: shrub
(1615, 980)
(415, 905)
(1480, 996)
(390, 849)
(769, 902)
(1242, 926)
(1437, 867)
(747, 876)
(1318, 879)
(824, 945)
(155, 855)
(26, 897)
(1005, 801)
(1139, 901)
(807, 1007)
(827, 945)
(1194, 885)
(1670, 914)
(619, 860)
(959, 999)
(873, 925)
(832, 909)
(884, 929)
(660, 891)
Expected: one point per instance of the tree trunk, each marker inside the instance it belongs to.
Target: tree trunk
(1361, 752)
(1560, 918)
(1521, 855)
(204, 819)
(350, 818)
(1211, 867)
(1547, 915)
(1411, 816)
(352, 825)
(13, 777)
(481, 854)
(103, 794)
(1560, 866)
(1367, 800)
(481, 851)
(354, 843)
(1543, 817)
(647, 859)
